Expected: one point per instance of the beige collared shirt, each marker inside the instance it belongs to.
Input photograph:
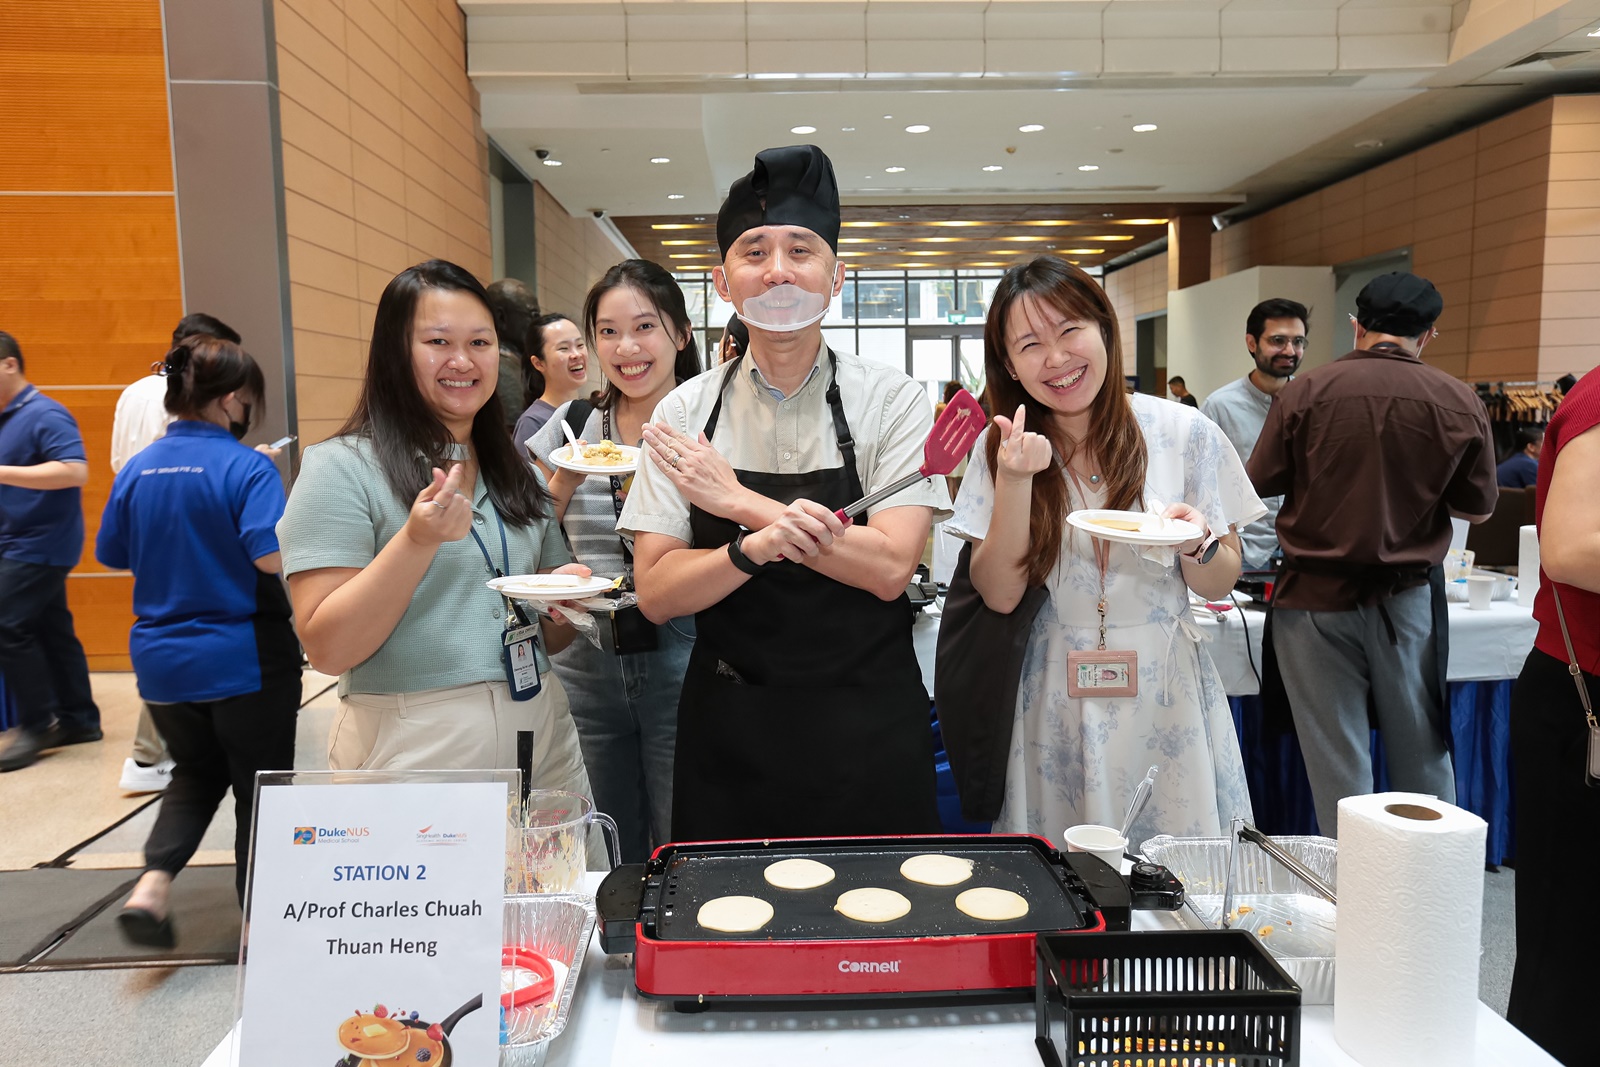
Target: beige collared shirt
(889, 418)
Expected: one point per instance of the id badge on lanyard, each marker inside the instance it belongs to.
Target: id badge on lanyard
(519, 641)
(1103, 672)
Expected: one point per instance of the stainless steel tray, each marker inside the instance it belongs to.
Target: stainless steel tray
(1295, 924)
(558, 926)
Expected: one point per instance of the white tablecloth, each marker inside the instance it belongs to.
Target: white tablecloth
(611, 1026)
(1484, 645)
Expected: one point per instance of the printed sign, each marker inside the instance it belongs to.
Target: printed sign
(376, 914)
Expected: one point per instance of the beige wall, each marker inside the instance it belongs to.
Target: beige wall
(1568, 308)
(384, 165)
(1135, 291)
(1472, 208)
(571, 253)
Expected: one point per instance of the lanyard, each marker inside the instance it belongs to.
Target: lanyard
(616, 501)
(1102, 556)
(505, 554)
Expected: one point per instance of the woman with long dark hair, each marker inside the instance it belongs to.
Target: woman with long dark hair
(1075, 439)
(193, 517)
(624, 694)
(392, 530)
(557, 370)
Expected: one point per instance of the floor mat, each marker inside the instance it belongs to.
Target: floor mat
(205, 912)
(43, 903)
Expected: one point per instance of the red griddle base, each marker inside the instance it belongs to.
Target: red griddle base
(811, 955)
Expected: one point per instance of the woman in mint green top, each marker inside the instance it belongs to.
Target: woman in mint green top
(387, 566)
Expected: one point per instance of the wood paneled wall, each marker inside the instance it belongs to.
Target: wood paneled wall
(384, 166)
(572, 254)
(1135, 291)
(1569, 308)
(89, 277)
(1473, 208)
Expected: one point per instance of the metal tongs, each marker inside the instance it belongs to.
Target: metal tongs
(1243, 831)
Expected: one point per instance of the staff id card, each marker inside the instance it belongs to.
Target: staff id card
(520, 653)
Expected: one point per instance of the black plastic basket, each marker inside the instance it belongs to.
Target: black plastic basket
(1178, 998)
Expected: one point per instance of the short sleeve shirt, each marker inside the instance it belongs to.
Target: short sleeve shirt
(1241, 410)
(141, 417)
(341, 513)
(888, 414)
(1370, 453)
(189, 515)
(43, 526)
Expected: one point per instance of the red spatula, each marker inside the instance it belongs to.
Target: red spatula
(958, 426)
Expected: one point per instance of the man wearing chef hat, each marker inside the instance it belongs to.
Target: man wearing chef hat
(1372, 453)
(803, 710)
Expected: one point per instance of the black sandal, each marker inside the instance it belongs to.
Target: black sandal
(141, 926)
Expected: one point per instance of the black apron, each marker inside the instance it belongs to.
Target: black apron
(803, 711)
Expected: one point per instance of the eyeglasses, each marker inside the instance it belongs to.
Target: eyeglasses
(1284, 341)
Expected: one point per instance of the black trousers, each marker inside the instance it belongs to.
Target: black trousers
(215, 745)
(1558, 816)
(40, 656)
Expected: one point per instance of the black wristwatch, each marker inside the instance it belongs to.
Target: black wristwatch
(1206, 550)
(742, 561)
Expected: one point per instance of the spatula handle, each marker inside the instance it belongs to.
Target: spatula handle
(848, 513)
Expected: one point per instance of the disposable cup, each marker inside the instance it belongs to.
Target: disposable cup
(1102, 841)
(1480, 591)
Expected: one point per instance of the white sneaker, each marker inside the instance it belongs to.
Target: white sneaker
(152, 779)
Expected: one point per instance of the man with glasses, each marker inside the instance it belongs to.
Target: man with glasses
(1275, 336)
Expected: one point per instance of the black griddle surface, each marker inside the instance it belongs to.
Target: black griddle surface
(691, 878)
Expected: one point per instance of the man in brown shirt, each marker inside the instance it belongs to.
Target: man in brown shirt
(1372, 453)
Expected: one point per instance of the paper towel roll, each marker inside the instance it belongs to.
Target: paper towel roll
(1405, 988)
(1527, 565)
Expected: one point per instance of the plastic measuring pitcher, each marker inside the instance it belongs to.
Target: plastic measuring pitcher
(552, 852)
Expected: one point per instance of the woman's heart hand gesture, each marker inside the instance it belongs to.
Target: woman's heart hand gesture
(1022, 454)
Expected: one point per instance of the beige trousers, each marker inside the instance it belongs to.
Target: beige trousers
(148, 747)
(463, 727)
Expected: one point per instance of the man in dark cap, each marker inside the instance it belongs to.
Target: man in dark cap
(1373, 454)
(803, 711)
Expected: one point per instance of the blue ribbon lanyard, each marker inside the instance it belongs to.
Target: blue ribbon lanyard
(514, 615)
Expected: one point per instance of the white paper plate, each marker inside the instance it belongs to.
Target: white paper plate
(562, 457)
(549, 587)
(1153, 529)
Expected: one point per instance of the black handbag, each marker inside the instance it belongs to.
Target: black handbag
(977, 672)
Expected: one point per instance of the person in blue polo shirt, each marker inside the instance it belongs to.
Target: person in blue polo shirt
(194, 516)
(42, 471)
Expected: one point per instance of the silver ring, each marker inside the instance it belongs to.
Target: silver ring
(441, 507)
(675, 458)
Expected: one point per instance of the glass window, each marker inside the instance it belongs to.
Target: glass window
(881, 301)
(842, 339)
(886, 345)
(931, 359)
(972, 365)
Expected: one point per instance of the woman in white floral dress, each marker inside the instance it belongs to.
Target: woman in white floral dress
(1079, 440)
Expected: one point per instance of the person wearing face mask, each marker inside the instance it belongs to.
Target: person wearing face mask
(557, 372)
(192, 515)
(803, 710)
(624, 694)
(391, 533)
(1275, 336)
(1077, 746)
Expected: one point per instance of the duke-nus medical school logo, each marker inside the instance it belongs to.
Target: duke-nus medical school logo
(342, 835)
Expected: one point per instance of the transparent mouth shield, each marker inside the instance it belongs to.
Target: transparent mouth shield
(784, 308)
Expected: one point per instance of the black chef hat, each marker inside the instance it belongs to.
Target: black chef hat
(791, 186)
(1400, 304)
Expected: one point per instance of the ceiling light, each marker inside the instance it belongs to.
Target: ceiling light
(680, 243)
(1083, 251)
(991, 168)
(1089, 166)
(863, 225)
(660, 159)
(894, 170)
(1593, 33)
(552, 162)
(959, 222)
(1032, 127)
(1145, 127)
(888, 116)
(847, 129)
(1027, 238)
(1110, 237)
(674, 196)
(1369, 144)
(847, 241)
(852, 253)
(688, 255)
(675, 226)
(905, 216)
(699, 218)
(1142, 222)
(918, 128)
(802, 129)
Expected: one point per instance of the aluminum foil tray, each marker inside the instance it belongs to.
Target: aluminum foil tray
(1294, 924)
(558, 926)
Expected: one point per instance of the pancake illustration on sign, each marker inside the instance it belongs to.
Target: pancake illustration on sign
(384, 1038)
